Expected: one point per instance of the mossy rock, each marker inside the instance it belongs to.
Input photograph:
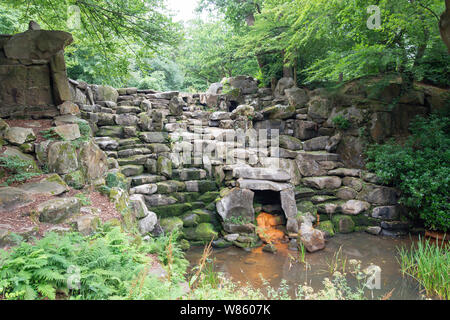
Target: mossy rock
(116, 180)
(190, 220)
(211, 207)
(306, 207)
(343, 224)
(119, 197)
(197, 205)
(362, 220)
(186, 196)
(206, 232)
(171, 224)
(75, 179)
(110, 131)
(172, 210)
(209, 197)
(203, 216)
(327, 227)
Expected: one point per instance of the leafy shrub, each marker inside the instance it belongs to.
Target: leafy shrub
(341, 122)
(110, 265)
(18, 169)
(420, 169)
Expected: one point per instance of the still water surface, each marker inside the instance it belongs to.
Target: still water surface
(248, 267)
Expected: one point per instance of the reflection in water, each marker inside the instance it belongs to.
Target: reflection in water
(249, 267)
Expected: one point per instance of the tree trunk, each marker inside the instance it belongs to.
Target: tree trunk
(421, 49)
(444, 25)
(288, 72)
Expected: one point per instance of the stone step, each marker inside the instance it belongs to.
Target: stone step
(187, 174)
(320, 156)
(145, 179)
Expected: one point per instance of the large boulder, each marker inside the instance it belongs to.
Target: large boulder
(355, 207)
(312, 239)
(278, 112)
(261, 174)
(13, 198)
(297, 97)
(290, 143)
(305, 130)
(237, 203)
(176, 105)
(323, 182)
(93, 160)
(104, 93)
(245, 84)
(58, 210)
(34, 45)
(18, 135)
(62, 157)
(282, 85)
(52, 185)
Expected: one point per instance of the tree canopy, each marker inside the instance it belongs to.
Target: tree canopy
(136, 43)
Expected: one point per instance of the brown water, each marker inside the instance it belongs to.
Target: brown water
(248, 267)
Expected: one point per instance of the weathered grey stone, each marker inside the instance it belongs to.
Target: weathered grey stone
(50, 186)
(282, 85)
(278, 111)
(13, 198)
(346, 193)
(323, 182)
(319, 108)
(107, 143)
(106, 119)
(18, 135)
(68, 132)
(374, 230)
(316, 144)
(156, 200)
(35, 45)
(87, 224)
(305, 130)
(70, 108)
(386, 212)
(343, 172)
(355, 207)
(132, 170)
(104, 93)
(378, 195)
(237, 203)
(309, 167)
(147, 189)
(312, 239)
(288, 203)
(262, 185)
(261, 174)
(297, 97)
(126, 120)
(62, 157)
(148, 224)
(290, 143)
(58, 210)
(219, 115)
(154, 137)
(93, 160)
(353, 183)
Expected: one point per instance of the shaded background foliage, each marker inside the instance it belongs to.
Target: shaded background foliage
(136, 43)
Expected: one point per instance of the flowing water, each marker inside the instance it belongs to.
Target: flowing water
(248, 267)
